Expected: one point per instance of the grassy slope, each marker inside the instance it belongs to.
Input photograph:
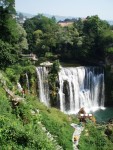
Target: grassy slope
(19, 128)
(57, 123)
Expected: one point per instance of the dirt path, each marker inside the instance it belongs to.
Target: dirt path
(76, 134)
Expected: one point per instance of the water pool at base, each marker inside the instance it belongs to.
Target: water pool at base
(104, 115)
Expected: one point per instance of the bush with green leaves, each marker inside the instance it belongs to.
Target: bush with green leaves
(53, 76)
(18, 73)
(8, 55)
(14, 72)
(93, 138)
(19, 128)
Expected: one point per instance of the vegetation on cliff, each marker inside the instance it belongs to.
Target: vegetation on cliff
(53, 81)
(21, 124)
(27, 125)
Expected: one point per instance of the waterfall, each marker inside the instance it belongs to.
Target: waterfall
(78, 87)
(19, 87)
(81, 87)
(27, 82)
(42, 74)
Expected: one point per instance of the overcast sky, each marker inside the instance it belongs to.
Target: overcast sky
(74, 8)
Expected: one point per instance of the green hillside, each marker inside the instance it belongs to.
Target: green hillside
(26, 124)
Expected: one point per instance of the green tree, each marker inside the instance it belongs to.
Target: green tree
(40, 33)
(9, 36)
(8, 54)
(30, 27)
(67, 39)
(8, 26)
(108, 42)
(79, 24)
(8, 5)
(93, 30)
(22, 40)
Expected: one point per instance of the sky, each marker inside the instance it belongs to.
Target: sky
(73, 8)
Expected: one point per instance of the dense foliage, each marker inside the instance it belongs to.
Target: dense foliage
(12, 35)
(21, 126)
(53, 79)
(19, 129)
(85, 40)
(96, 137)
(89, 38)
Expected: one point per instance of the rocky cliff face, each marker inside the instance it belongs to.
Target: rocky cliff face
(109, 80)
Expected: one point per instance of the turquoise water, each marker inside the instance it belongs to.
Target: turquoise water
(103, 115)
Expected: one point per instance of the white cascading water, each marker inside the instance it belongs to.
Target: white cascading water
(27, 82)
(81, 87)
(42, 74)
(78, 87)
(19, 87)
